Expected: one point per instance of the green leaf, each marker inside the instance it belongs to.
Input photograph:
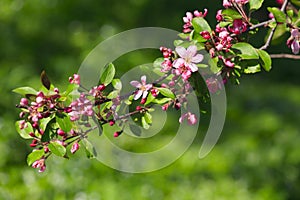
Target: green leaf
(161, 101)
(113, 94)
(89, 149)
(25, 90)
(24, 133)
(200, 24)
(252, 69)
(148, 118)
(278, 14)
(255, 4)
(150, 98)
(117, 84)
(64, 122)
(290, 13)
(247, 51)
(166, 92)
(144, 123)
(296, 2)
(44, 122)
(223, 24)
(57, 149)
(266, 59)
(108, 74)
(233, 14)
(157, 63)
(136, 130)
(45, 80)
(213, 63)
(34, 156)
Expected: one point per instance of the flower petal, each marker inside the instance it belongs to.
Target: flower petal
(135, 84)
(178, 62)
(145, 93)
(143, 80)
(193, 67)
(148, 86)
(295, 47)
(191, 50)
(197, 58)
(181, 51)
(138, 94)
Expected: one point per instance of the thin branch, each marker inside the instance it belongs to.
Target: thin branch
(284, 5)
(284, 55)
(267, 44)
(261, 24)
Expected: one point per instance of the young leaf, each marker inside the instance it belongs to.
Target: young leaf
(252, 69)
(278, 14)
(150, 98)
(148, 118)
(255, 4)
(89, 149)
(45, 80)
(161, 101)
(64, 122)
(108, 74)
(24, 133)
(266, 59)
(34, 156)
(247, 51)
(25, 90)
(200, 24)
(144, 123)
(113, 94)
(44, 122)
(57, 149)
(117, 84)
(166, 92)
(233, 14)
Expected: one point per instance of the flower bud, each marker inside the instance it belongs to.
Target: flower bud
(75, 147)
(165, 107)
(24, 102)
(60, 132)
(111, 122)
(101, 87)
(118, 133)
(143, 101)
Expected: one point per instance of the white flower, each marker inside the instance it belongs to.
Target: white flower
(143, 88)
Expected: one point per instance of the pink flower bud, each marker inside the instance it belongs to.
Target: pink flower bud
(56, 90)
(138, 108)
(46, 149)
(205, 35)
(60, 132)
(154, 92)
(143, 101)
(101, 87)
(118, 133)
(165, 107)
(111, 122)
(75, 147)
(24, 102)
(22, 124)
(33, 143)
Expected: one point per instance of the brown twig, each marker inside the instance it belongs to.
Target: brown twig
(284, 55)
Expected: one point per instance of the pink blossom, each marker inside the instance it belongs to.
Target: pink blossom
(226, 3)
(293, 41)
(186, 64)
(75, 147)
(40, 164)
(219, 16)
(75, 79)
(238, 26)
(81, 106)
(143, 88)
(24, 102)
(22, 124)
(213, 85)
(191, 118)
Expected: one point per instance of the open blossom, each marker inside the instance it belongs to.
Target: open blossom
(186, 64)
(81, 106)
(191, 118)
(143, 88)
(293, 41)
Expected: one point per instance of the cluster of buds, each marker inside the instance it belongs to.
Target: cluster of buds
(230, 3)
(187, 27)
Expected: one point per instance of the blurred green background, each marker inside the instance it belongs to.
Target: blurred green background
(256, 158)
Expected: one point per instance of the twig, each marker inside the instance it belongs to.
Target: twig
(284, 55)
(267, 44)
